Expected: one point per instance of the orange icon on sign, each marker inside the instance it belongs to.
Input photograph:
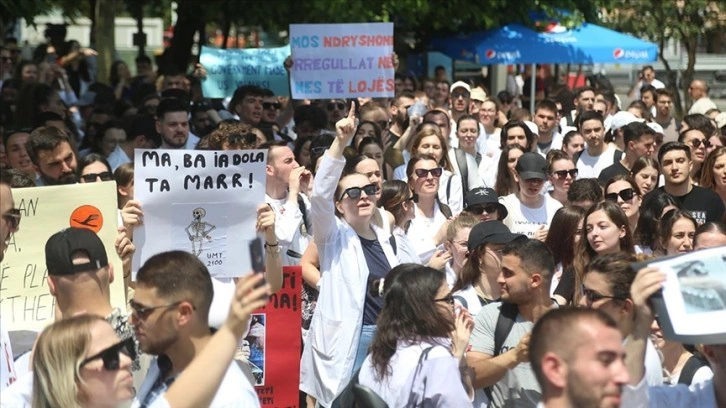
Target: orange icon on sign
(88, 217)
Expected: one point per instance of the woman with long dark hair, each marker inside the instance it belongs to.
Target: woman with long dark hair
(420, 337)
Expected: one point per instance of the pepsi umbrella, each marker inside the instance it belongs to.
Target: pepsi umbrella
(517, 44)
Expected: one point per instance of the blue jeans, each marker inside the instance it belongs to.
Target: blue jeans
(366, 338)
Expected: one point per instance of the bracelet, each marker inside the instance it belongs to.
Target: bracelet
(272, 249)
(267, 244)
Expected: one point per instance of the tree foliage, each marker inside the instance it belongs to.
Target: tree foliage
(664, 20)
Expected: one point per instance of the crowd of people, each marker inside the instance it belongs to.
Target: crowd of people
(456, 249)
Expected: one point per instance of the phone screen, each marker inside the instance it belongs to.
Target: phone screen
(257, 255)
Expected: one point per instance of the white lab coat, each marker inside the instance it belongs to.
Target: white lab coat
(328, 357)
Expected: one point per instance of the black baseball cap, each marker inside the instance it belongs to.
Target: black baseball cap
(483, 196)
(532, 166)
(61, 246)
(494, 232)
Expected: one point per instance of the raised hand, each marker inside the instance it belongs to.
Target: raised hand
(251, 294)
(345, 128)
(266, 222)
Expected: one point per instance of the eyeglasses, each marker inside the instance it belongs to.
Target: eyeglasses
(144, 312)
(480, 209)
(626, 195)
(319, 150)
(448, 299)
(698, 142)
(91, 177)
(563, 173)
(271, 105)
(242, 138)
(111, 357)
(354, 193)
(12, 217)
(437, 172)
(591, 296)
(335, 105)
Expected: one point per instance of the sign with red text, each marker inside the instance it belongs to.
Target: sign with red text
(25, 300)
(342, 60)
(274, 344)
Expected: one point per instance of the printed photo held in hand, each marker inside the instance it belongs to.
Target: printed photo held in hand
(692, 306)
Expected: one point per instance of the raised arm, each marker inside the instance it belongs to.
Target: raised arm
(273, 260)
(647, 282)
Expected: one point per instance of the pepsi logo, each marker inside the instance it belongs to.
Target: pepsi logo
(490, 54)
(618, 53)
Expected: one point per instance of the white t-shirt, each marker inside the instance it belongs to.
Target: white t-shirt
(422, 230)
(525, 220)
(591, 166)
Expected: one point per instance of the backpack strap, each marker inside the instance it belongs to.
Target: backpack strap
(617, 155)
(303, 210)
(689, 370)
(424, 356)
(392, 241)
(463, 165)
(507, 315)
(448, 189)
(462, 301)
(445, 209)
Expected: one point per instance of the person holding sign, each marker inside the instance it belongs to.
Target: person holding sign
(352, 252)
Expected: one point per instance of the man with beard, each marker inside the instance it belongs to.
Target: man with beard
(53, 155)
(170, 310)
(664, 115)
(172, 123)
(399, 114)
(201, 123)
(499, 357)
(578, 358)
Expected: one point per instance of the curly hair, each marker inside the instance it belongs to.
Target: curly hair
(232, 136)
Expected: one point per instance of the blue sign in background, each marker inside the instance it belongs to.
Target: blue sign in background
(231, 68)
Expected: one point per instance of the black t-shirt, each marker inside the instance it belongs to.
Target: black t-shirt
(611, 171)
(378, 268)
(566, 287)
(703, 204)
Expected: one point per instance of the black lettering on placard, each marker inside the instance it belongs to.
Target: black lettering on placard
(198, 161)
(32, 277)
(4, 273)
(163, 185)
(265, 390)
(284, 301)
(28, 207)
(164, 160)
(288, 280)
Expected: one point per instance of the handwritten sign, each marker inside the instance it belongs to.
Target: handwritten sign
(229, 69)
(25, 301)
(202, 202)
(341, 60)
(274, 341)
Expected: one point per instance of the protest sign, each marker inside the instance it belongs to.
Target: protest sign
(274, 344)
(232, 68)
(202, 202)
(692, 305)
(342, 60)
(25, 300)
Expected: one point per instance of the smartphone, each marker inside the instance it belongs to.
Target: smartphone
(257, 255)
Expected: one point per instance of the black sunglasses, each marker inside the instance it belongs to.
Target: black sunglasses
(143, 312)
(448, 299)
(697, 143)
(271, 105)
(335, 105)
(111, 357)
(563, 173)
(12, 217)
(245, 138)
(626, 195)
(91, 177)
(460, 94)
(354, 193)
(591, 296)
(437, 172)
(480, 209)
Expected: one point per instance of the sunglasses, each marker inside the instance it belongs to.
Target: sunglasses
(480, 209)
(437, 172)
(563, 173)
(12, 217)
(698, 142)
(335, 105)
(354, 193)
(460, 95)
(448, 299)
(245, 138)
(111, 356)
(271, 105)
(414, 198)
(91, 177)
(591, 296)
(626, 195)
(142, 312)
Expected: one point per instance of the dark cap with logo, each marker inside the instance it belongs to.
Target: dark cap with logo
(60, 248)
(484, 196)
(494, 232)
(532, 166)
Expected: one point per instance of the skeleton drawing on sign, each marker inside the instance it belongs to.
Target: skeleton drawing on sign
(198, 230)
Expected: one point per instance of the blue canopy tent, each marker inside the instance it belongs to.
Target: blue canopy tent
(517, 44)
